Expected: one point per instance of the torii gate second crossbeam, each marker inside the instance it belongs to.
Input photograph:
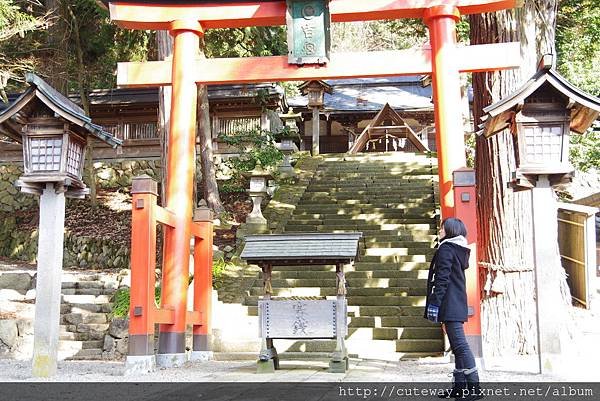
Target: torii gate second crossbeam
(187, 21)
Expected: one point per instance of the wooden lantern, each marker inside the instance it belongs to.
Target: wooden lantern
(542, 114)
(315, 90)
(54, 132)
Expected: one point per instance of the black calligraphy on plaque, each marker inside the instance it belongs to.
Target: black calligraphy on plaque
(300, 323)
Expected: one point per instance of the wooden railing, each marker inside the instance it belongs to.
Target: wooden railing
(133, 131)
(236, 125)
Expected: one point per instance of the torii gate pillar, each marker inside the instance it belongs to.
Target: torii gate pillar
(179, 191)
(449, 134)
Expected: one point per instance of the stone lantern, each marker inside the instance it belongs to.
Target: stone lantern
(259, 177)
(288, 134)
(54, 132)
(315, 91)
(541, 115)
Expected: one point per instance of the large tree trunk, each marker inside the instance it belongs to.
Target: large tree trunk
(164, 43)
(505, 229)
(56, 67)
(210, 190)
(85, 103)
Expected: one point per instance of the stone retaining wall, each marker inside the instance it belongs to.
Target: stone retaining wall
(79, 252)
(118, 173)
(11, 199)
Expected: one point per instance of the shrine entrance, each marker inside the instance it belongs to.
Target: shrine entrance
(187, 22)
(388, 132)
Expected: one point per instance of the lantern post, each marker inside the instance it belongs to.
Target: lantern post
(54, 133)
(541, 115)
(315, 90)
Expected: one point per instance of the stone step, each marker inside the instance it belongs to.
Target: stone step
(360, 222)
(351, 207)
(360, 300)
(371, 189)
(87, 355)
(81, 345)
(358, 266)
(398, 251)
(400, 322)
(86, 299)
(377, 314)
(85, 308)
(390, 333)
(412, 300)
(381, 197)
(363, 347)
(330, 291)
(409, 167)
(89, 318)
(82, 284)
(365, 283)
(70, 336)
(385, 310)
(395, 258)
(87, 291)
(362, 226)
(367, 274)
(375, 214)
(370, 183)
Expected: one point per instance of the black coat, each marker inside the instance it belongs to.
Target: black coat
(446, 286)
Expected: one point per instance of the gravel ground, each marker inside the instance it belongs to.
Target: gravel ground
(432, 370)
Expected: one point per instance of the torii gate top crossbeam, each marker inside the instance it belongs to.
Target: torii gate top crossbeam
(237, 14)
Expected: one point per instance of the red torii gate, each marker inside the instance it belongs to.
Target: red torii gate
(186, 21)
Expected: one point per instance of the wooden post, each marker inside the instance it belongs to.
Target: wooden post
(548, 304)
(441, 21)
(268, 361)
(203, 263)
(180, 169)
(339, 360)
(315, 131)
(48, 286)
(140, 358)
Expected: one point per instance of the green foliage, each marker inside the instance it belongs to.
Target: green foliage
(79, 25)
(585, 151)
(255, 146)
(219, 266)
(378, 35)
(578, 43)
(245, 42)
(121, 300)
(232, 186)
(15, 22)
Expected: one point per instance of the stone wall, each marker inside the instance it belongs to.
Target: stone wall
(118, 173)
(11, 199)
(79, 252)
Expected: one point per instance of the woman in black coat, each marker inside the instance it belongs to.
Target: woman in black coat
(447, 303)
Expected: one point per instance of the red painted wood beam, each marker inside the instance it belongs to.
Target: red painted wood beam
(341, 66)
(235, 15)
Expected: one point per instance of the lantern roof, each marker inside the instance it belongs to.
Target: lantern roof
(39, 90)
(585, 108)
(315, 84)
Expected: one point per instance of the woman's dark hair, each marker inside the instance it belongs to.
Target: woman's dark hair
(454, 227)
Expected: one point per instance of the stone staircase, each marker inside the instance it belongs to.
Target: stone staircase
(85, 310)
(391, 199)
